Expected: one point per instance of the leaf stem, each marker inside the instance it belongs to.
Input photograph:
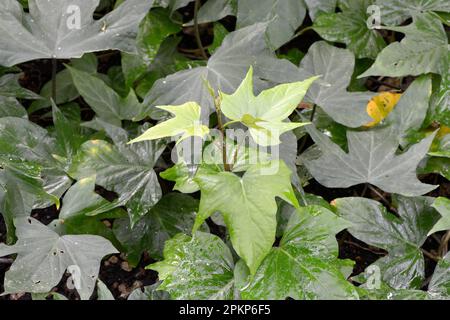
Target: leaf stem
(382, 198)
(197, 31)
(443, 248)
(230, 122)
(6, 261)
(374, 251)
(305, 138)
(298, 34)
(54, 69)
(226, 166)
(430, 255)
(383, 83)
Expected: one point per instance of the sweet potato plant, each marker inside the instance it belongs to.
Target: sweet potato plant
(224, 149)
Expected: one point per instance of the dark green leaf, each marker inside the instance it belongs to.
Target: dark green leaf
(305, 265)
(423, 50)
(173, 214)
(404, 266)
(350, 27)
(197, 268)
(371, 159)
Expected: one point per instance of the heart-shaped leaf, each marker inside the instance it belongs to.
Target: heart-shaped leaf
(250, 210)
(305, 264)
(197, 268)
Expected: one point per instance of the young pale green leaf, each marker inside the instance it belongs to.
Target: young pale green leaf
(330, 92)
(404, 266)
(187, 123)
(173, 214)
(394, 12)
(65, 29)
(305, 264)
(423, 50)
(247, 204)
(265, 114)
(371, 159)
(283, 18)
(350, 27)
(442, 205)
(124, 169)
(196, 268)
(44, 256)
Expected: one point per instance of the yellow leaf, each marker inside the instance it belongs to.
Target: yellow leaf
(380, 106)
(443, 131)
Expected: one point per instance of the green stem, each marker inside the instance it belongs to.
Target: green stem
(230, 123)
(197, 31)
(226, 166)
(298, 34)
(305, 138)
